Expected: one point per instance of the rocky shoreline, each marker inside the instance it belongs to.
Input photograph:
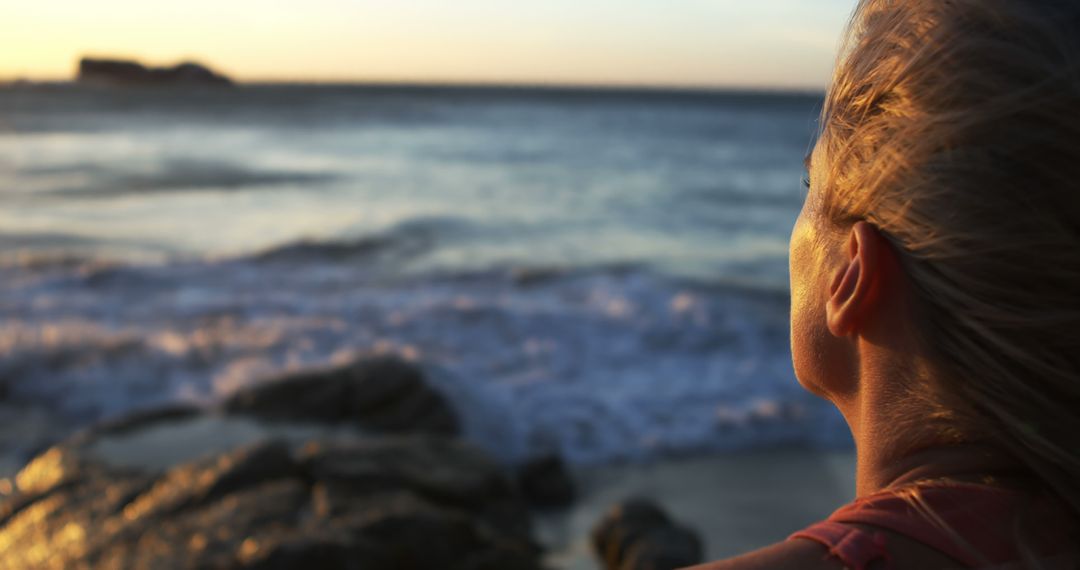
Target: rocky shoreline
(359, 466)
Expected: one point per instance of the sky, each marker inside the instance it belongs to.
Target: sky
(775, 44)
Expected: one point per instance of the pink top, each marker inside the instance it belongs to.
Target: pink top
(974, 513)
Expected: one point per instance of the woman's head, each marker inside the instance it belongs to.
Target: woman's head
(952, 127)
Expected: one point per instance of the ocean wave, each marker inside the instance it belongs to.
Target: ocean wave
(173, 176)
(23, 254)
(541, 281)
(23, 241)
(598, 365)
(406, 239)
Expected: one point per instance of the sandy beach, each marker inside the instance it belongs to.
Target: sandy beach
(736, 502)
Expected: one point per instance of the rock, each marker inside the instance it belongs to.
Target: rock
(53, 468)
(195, 484)
(62, 497)
(367, 502)
(211, 536)
(382, 394)
(545, 483)
(664, 548)
(441, 470)
(329, 550)
(622, 526)
(418, 534)
(638, 535)
(128, 73)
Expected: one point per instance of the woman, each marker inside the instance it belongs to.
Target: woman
(935, 273)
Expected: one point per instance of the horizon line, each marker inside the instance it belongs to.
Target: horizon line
(478, 83)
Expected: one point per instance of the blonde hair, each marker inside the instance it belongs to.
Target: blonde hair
(953, 126)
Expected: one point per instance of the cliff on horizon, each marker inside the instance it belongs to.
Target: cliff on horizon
(122, 72)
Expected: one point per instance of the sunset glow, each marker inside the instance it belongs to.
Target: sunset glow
(771, 43)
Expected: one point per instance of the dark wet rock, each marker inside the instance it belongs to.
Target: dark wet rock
(62, 498)
(53, 468)
(213, 536)
(335, 549)
(622, 526)
(419, 534)
(665, 548)
(546, 483)
(121, 72)
(638, 535)
(383, 394)
(62, 476)
(371, 503)
(441, 470)
(195, 484)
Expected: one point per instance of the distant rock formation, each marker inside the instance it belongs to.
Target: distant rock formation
(130, 73)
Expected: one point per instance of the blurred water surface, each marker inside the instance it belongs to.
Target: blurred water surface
(602, 272)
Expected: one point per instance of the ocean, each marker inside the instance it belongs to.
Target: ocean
(600, 273)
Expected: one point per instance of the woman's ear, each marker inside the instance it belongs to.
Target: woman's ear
(855, 289)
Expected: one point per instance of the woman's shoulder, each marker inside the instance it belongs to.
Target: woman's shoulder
(899, 553)
(904, 554)
(942, 526)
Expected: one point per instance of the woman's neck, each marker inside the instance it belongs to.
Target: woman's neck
(959, 463)
(899, 442)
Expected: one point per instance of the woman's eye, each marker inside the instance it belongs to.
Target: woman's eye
(806, 181)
